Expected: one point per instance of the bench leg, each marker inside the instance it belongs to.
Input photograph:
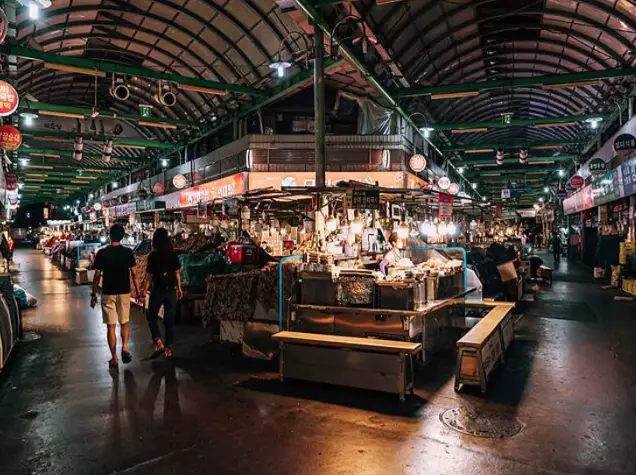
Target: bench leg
(458, 368)
(402, 389)
(412, 387)
(281, 361)
(482, 376)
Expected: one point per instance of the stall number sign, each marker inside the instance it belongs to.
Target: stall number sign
(8, 99)
(365, 199)
(505, 194)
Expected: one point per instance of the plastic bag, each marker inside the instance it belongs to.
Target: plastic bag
(616, 275)
(21, 297)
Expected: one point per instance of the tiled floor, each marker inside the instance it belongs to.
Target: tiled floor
(569, 379)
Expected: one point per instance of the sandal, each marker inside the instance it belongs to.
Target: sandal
(126, 357)
(158, 350)
(112, 364)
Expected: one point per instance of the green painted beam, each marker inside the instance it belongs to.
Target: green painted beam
(107, 67)
(37, 107)
(508, 145)
(101, 139)
(68, 166)
(116, 161)
(498, 124)
(511, 161)
(480, 172)
(551, 79)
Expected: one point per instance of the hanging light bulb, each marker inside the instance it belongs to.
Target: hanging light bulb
(452, 229)
(356, 227)
(442, 228)
(403, 231)
(331, 224)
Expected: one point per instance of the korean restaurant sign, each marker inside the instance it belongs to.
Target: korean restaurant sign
(625, 145)
(10, 138)
(218, 189)
(628, 172)
(445, 206)
(9, 99)
(606, 188)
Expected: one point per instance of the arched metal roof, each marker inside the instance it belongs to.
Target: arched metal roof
(439, 42)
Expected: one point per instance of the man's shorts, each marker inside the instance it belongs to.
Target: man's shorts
(116, 308)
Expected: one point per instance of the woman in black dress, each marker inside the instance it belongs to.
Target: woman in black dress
(162, 276)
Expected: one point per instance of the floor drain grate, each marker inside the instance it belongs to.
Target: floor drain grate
(481, 424)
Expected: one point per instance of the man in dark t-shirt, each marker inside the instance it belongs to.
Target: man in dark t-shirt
(116, 265)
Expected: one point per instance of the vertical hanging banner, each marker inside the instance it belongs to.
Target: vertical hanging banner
(445, 206)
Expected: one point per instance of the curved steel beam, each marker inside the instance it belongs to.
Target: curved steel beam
(460, 109)
(444, 66)
(573, 33)
(36, 67)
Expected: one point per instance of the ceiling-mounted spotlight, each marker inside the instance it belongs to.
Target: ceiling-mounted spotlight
(107, 154)
(78, 147)
(118, 89)
(523, 156)
(500, 156)
(28, 118)
(165, 96)
(594, 121)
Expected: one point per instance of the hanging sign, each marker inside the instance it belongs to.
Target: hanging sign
(8, 99)
(10, 138)
(596, 165)
(505, 193)
(158, 188)
(444, 183)
(179, 181)
(365, 199)
(561, 194)
(97, 206)
(445, 203)
(624, 144)
(453, 188)
(577, 182)
(417, 163)
(628, 173)
(11, 180)
(142, 194)
(506, 118)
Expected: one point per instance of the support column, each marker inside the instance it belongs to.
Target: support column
(630, 107)
(319, 105)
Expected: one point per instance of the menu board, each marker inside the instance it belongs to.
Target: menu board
(365, 199)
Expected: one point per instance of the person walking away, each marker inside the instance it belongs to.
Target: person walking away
(11, 244)
(116, 264)
(164, 280)
(556, 248)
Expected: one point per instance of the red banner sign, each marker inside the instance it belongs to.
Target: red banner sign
(10, 138)
(445, 206)
(11, 180)
(8, 99)
(577, 181)
(218, 189)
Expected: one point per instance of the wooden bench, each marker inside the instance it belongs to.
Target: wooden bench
(546, 274)
(381, 365)
(484, 346)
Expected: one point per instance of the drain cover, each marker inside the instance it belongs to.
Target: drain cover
(481, 424)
